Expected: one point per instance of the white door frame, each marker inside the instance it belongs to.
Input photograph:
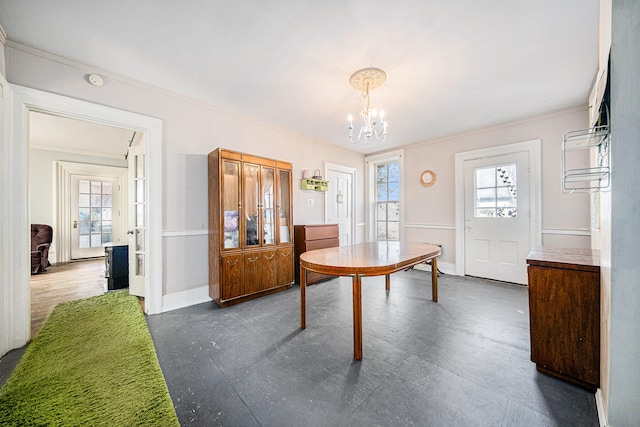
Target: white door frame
(15, 213)
(61, 210)
(533, 147)
(351, 171)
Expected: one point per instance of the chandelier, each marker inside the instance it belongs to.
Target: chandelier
(374, 124)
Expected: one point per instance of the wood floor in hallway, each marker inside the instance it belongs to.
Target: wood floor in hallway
(64, 282)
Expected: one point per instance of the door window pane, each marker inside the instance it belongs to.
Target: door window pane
(496, 191)
(94, 213)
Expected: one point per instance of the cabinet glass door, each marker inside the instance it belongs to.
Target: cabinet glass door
(231, 204)
(267, 205)
(284, 205)
(251, 202)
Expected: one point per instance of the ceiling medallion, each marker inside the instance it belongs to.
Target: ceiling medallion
(365, 80)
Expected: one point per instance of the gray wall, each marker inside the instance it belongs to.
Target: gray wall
(624, 368)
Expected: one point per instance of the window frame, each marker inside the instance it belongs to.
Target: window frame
(371, 163)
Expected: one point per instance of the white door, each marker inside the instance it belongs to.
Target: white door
(497, 216)
(95, 214)
(339, 203)
(137, 220)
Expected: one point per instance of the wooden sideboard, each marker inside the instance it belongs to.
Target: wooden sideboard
(564, 313)
(310, 237)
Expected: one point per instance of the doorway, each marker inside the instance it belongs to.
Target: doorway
(339, 202)
(497, 210)
(15, 222)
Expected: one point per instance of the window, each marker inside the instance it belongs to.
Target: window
(94, 213)
(496, 192)
(387, 210)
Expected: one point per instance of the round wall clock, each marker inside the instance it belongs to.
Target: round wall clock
(427, 178)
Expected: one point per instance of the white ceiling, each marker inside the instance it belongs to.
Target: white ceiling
(452, 65)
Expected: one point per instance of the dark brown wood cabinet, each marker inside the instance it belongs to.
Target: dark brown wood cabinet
(310, 237)
(250, 228)
(564, 313)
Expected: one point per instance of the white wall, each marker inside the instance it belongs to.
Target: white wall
(430, 211)
(191, 130)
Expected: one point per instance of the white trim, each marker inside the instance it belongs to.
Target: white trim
(182, 233)
(351, 171)
(567, 232)
(533, 147)
(183, 299)
(370, 197)
(443, 267)
(432, 226)
(602, 414)
(74, 151)
(16, 220)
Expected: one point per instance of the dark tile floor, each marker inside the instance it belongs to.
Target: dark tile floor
(463, 361)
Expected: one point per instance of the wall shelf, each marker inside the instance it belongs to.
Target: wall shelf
(314, 184)
(588, 149)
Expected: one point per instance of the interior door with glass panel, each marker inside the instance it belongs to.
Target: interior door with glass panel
(497, 216)
(137, 220)
(94, 215)
(387, 219)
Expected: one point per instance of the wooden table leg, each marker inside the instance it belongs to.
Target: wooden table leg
(303, 298)
(388, 281)
(434, 279)
(357, 317)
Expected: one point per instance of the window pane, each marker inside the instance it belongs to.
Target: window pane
(83, 242)
(83, 214)
(139, 166)
(95, 226)
(84, 227)
(485, 213)
(394, 172)
(83, 186)
(504, 198)
(485, 177)
(96, 187)
(381, 174)
(393, 231)
(96, 240)
(394, 191)
(140, 215)
(139, 265)
(393, 211)
(95, 200)
(139, 191)
(106, 200)
(381, 214)
(140, 239)
(83, 200)
(382, 230)
(382, 193)
(96, 214)
(106, 227)
(107, 187)
(485, 197)
(106, 214)
(106, 238)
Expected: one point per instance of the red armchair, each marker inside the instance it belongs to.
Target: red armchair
(41, 238)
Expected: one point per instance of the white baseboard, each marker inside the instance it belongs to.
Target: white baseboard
(443, 267)
(602, 416)
(183, 299)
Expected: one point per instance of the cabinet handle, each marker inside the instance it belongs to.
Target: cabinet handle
(286, 253)
(234, 262)
(252, 259)
(269, 257)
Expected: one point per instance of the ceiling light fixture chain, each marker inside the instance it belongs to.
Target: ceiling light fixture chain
(366, 80)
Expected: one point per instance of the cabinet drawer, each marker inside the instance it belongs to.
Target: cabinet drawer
(328, 231)
(321, 244)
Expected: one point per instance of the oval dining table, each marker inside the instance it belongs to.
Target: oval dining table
(365, 259)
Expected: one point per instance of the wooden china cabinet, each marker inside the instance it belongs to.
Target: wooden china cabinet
(250, 227)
